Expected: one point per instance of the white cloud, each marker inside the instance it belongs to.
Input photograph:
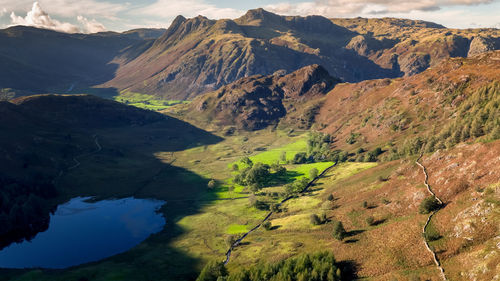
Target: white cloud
(91, 26)
(336, 8)
(39, 18)
(188, 8)
(70, 8)
(3, 11)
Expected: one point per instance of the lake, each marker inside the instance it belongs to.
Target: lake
(82, 231)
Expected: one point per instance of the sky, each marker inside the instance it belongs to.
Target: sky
(89, 16)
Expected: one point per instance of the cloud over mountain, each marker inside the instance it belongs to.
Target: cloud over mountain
(37, 17)
(335, 8)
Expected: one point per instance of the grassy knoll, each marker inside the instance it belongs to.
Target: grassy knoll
(146, 101)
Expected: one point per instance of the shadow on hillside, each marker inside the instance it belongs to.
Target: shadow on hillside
(128, 165)
(349, 269)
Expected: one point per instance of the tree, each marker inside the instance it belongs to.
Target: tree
(330, 197)
(235, 167)
(300, 158)
(267, 225)
(313, 173)
(283, 156)
(428, 205)
(247, 161)
(370, 220)
(338, 231)
(212, 271)
(315, 220)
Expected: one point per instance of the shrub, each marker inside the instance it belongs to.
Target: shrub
(267, 225)
(315, 220)
(338, 231)
(370, 220)
(299, 158)
(235, 167)
(247, 161)
(283, 156)
(313, 173)
(212, 184)
(330, 197)
(428, 205)
(327, 205)
(365, 204)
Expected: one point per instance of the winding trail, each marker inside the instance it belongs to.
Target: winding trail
(237, 242)
(434, 256)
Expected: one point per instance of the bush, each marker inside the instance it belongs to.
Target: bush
(212, 184)
(327, 205)
(300, 158)
(370, 220)
(338, 231)
(428, 205)
(235, 167)
(283, 156)
(315, 220)
(267, 225)
(313, 173)
(330, 197)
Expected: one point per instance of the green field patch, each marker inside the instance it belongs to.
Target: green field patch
(146, 101)
(237, 229)
(303, 170)
(274, 155)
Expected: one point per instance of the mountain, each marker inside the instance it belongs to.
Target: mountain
(258, 101)
(197, 55)
(429, 107)
(39, 60)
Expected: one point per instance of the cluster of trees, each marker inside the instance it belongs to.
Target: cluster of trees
(319, 150)
(258, 175)
(477, 116)
(24, 209)
(306, 267)
(370, 156)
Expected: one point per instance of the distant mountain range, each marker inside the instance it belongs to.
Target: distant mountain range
(197, 55)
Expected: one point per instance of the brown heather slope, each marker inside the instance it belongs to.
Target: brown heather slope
(255, 102)
(467, 178)
(381, 112)
(197, 55)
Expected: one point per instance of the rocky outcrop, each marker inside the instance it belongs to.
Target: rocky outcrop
(256, 102)
(480, 45)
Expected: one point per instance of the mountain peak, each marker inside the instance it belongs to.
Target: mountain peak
(258, 17)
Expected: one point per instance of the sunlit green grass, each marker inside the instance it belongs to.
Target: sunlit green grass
(237, 229)
(146, 101)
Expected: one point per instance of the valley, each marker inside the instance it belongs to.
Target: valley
(272, 148)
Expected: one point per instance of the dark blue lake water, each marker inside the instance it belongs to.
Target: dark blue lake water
(81, 232)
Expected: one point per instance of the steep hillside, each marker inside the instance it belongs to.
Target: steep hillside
(255, 102)
(39, 60)
(453, 102)
(198, 54)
